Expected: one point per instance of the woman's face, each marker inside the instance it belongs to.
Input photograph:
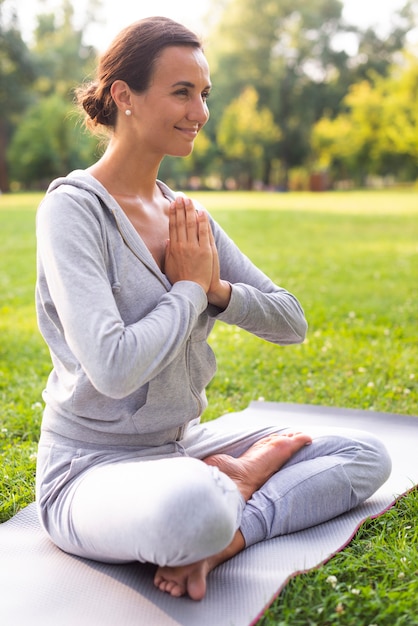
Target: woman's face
(169, 115)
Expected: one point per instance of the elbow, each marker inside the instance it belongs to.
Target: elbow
(117, 392)
(296, 331)
(112, 388)
(296, 321)
(114, 383)
(302, 330)
(299, 324)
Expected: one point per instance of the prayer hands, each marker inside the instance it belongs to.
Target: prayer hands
(191, 252)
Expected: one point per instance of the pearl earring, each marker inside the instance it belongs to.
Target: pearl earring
(128, 112)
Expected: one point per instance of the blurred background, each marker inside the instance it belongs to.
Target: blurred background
(308, 94)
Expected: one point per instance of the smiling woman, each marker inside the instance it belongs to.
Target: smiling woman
(131, 280)
(174, 104)
(155, 72)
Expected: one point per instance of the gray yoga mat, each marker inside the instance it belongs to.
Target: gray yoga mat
(40, 585)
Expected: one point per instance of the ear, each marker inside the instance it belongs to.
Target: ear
(121, 94)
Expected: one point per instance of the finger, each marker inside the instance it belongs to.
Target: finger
(172, 222)
(211, 237)
(191, 221)
(204, 229)
(180, 219)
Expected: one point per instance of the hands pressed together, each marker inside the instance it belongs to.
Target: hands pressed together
(191, 252)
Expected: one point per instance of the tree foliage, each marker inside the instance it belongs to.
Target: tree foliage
(284, 51)
(288, 52)
(49, 142)
(40, 143)
(377, 134)
(245, 132)
(287, 96)
(16, 77)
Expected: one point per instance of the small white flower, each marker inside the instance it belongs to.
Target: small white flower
(370, 384)
(332, 580)
(401, 575)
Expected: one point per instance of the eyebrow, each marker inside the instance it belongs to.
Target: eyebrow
(186, 83)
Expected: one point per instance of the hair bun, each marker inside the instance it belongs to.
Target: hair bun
(99, 107)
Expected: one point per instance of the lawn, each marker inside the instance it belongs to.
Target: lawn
(352, 259)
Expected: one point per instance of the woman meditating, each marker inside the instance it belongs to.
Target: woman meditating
(131, 280)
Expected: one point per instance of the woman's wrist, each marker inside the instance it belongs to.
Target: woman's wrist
(221, 296)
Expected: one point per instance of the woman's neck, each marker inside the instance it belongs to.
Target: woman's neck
(129, 175)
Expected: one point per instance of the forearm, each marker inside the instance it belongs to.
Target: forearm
(255, 303)
(276, 317)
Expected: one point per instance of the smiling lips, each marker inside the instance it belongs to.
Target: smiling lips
(191, 132)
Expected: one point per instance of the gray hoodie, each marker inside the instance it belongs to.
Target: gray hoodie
(129, 350)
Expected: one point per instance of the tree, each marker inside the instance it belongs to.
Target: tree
(61, 57)
(49, 143)
(378, 131)
(245, 132)
(59, 61)
(16, 76)
(284, 51)
(398, 141)
(376, 53)
(288, 52)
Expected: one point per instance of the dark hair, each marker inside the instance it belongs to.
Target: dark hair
(131, 57)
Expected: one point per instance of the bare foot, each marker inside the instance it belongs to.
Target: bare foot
(263, 459)
(191, 579)
(249, 472)
(177, 581)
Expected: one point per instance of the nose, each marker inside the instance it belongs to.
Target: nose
(198, 111)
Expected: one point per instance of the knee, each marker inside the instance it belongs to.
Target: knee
(379, 458)
(201, 515)
(372, 467)
(205, 511)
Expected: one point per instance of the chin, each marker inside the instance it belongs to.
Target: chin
(182, 151)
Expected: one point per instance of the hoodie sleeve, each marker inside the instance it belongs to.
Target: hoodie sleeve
(257, 304)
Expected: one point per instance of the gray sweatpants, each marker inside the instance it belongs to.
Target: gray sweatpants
(163, 505)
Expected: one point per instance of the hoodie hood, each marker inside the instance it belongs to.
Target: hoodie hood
(82, 180)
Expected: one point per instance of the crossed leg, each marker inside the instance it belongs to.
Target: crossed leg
(249, 472)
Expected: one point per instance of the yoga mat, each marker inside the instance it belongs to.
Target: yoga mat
(40, 585)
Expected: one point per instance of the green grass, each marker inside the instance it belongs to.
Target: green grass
(352, 259)
(372, 581)
(355, 271)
